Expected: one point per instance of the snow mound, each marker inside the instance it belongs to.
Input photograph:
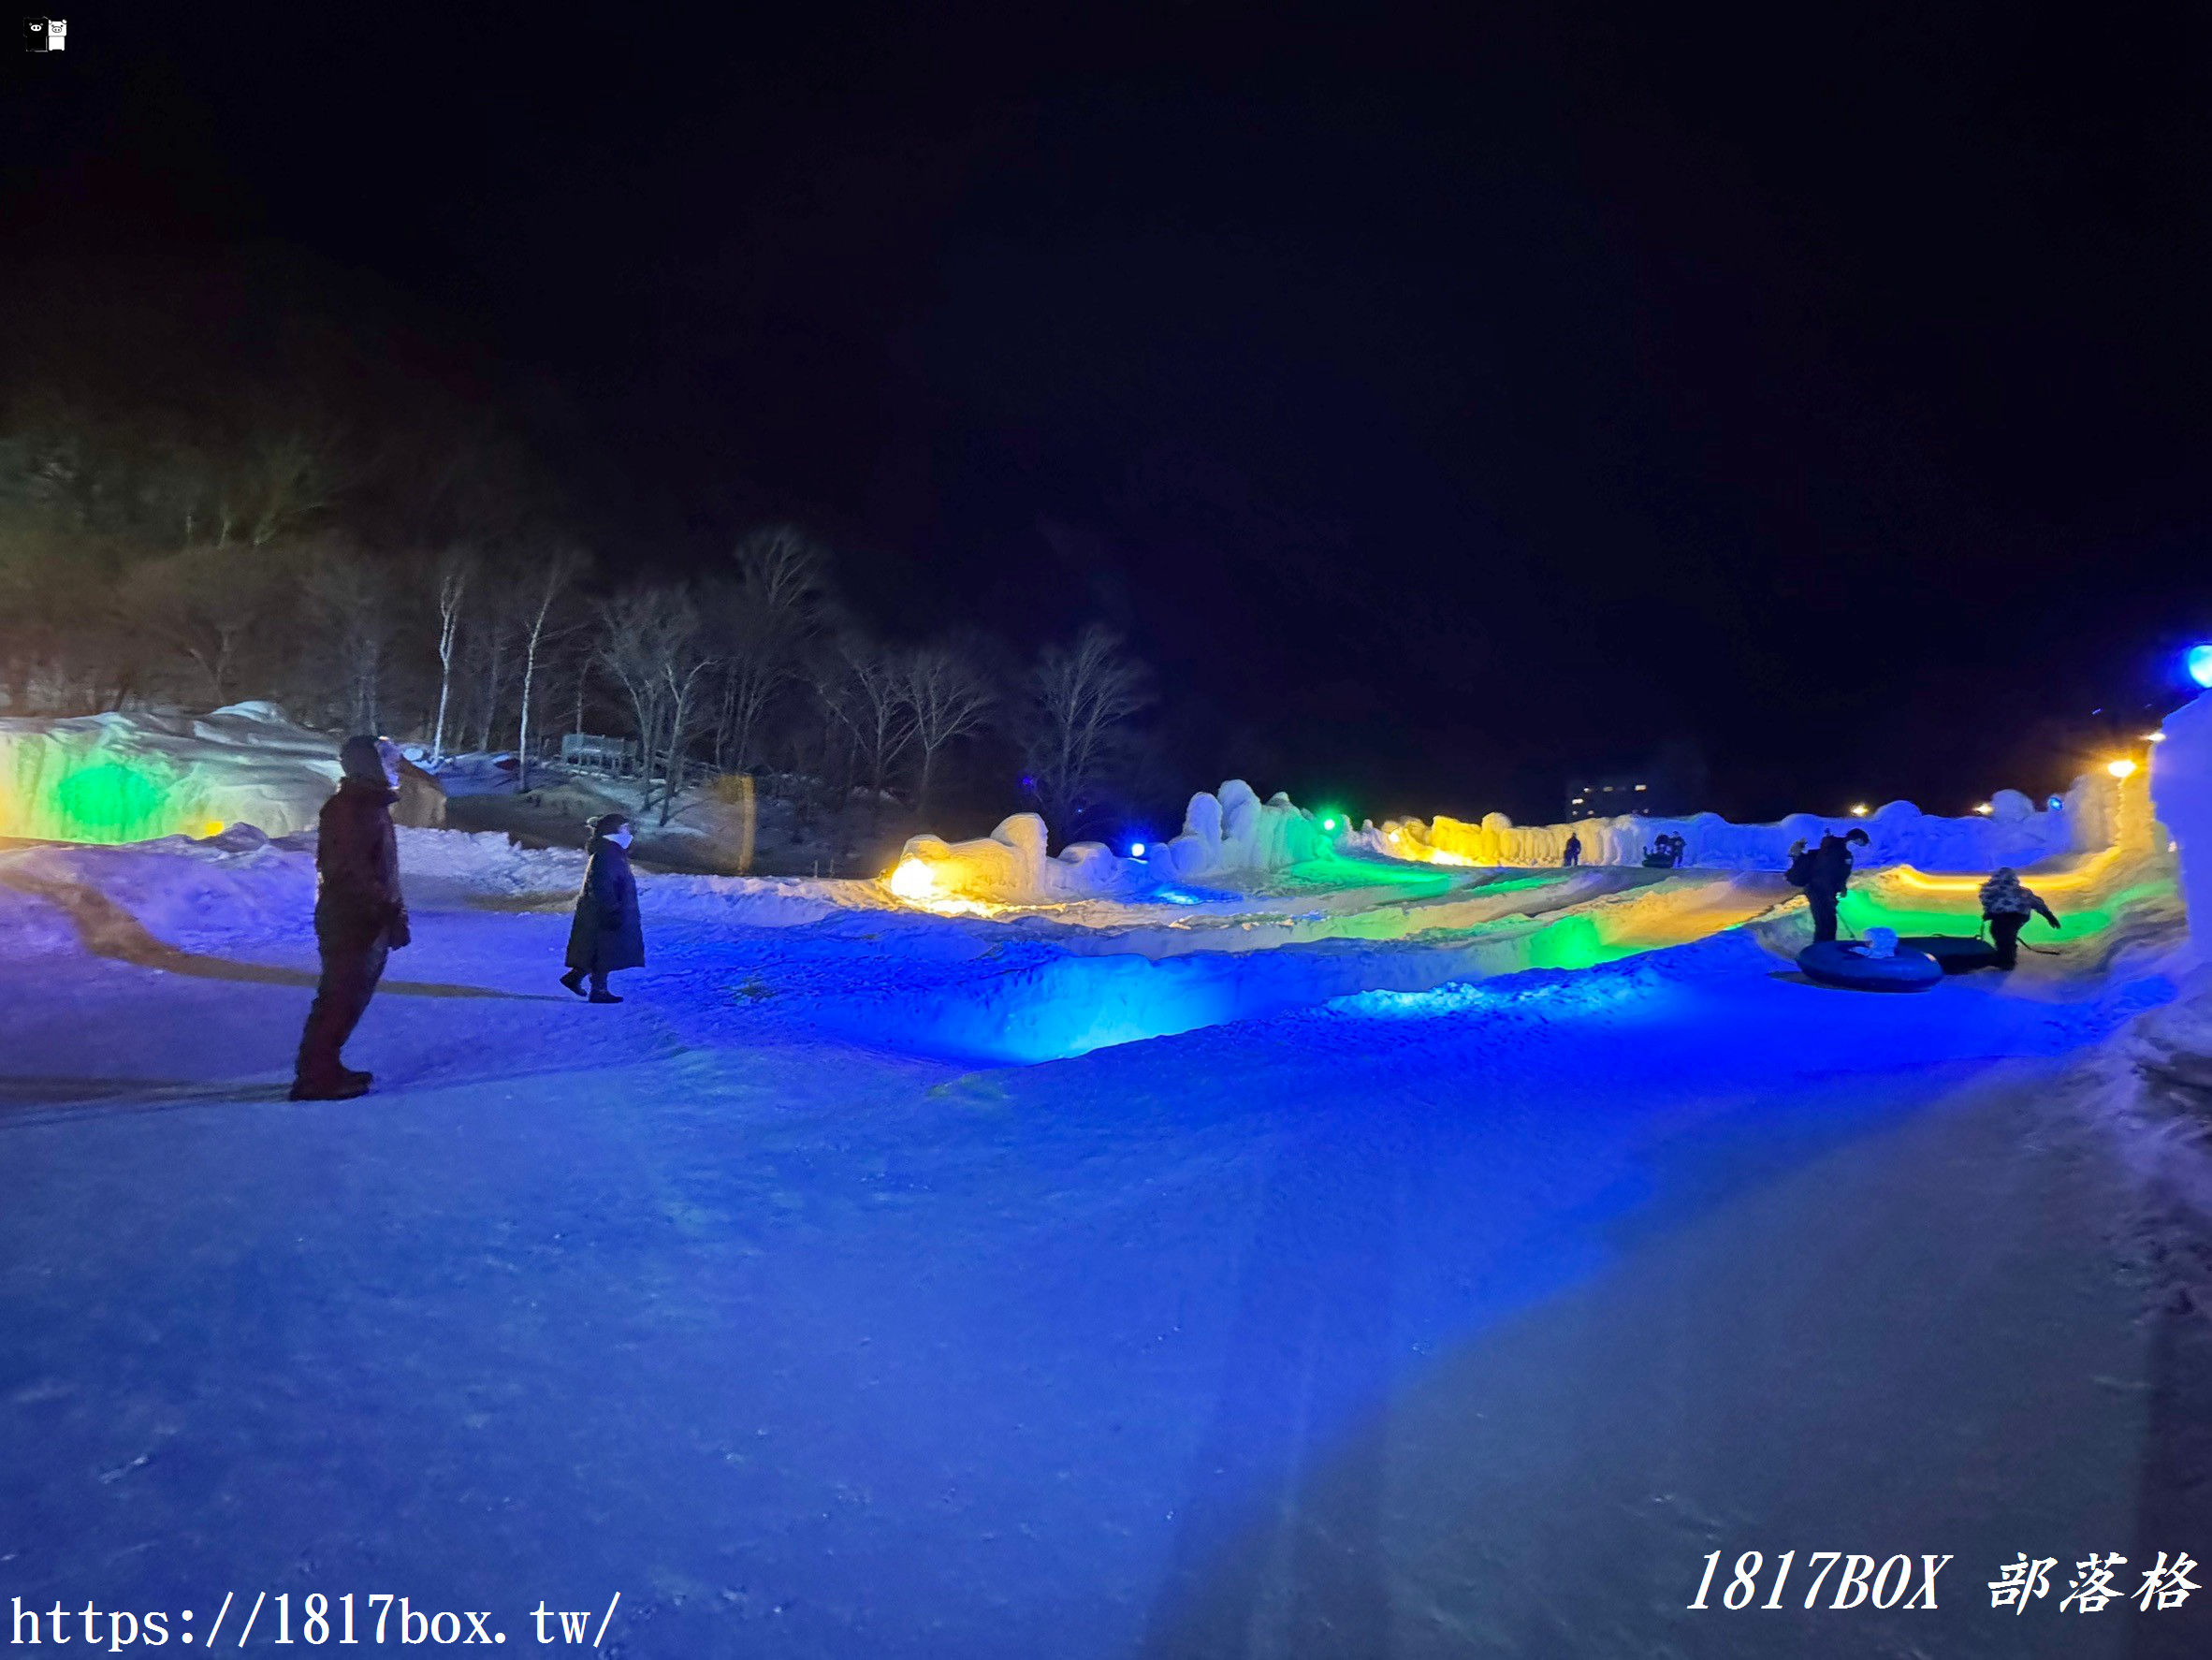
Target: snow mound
(1227, 833)
(1233, 832)
(487, 865)
(487, 862)
(118, 778)
(758, 901)
(2181, 786)
(1010, 866)
(238, 886)
(2014, 831)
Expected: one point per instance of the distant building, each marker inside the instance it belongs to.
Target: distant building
(1604, 795)
(1671, 784)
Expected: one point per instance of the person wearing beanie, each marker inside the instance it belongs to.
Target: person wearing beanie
(606, 934)
(360, 917)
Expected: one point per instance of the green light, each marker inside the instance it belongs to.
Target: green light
(112, 802)
(1514, 884)
(1861, 910)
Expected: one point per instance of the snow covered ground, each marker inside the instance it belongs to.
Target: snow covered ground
(1373, 1262)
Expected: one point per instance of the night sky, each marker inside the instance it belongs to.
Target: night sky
(1440, 406)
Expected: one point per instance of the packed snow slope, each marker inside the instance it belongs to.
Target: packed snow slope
(1009, 986)
(1443, 1317)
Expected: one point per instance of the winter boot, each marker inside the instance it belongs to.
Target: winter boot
(343, 1088)
(603, 997)
(574, 980)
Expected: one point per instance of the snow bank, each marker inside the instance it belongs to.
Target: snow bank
(2181, 787)
(237, 885)
(474, 772)
(1010, 866)
(486, 865)
(2014, 831)
(243, 886)
(1228, 833)
(117, 777)
(487, 862)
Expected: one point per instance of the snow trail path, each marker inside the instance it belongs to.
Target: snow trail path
(1442, 1322)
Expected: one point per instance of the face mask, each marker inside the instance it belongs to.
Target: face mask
(389, 755)
(620, 837)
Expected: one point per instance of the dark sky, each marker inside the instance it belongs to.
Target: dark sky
(1440, 405)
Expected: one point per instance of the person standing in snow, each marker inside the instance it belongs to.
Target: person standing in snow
(2006, 906)
(606, 934)
(1573, 855)
(360, 917)
(1825, 874)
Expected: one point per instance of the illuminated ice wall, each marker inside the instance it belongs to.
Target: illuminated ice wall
(1224, 833)
(1232, 835)
(117, 777)
(2014, 831)
(1009, 867)
(2181, 786)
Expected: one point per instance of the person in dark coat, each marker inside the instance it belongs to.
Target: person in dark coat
(2006, 905)
(606, 934)
(360, 917)
(1574, 851)
(1825, 874)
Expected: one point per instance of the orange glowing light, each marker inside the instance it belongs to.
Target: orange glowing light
(2092, 870)
(912, 881)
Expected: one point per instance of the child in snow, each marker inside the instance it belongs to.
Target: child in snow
(360, 918)
(1574, 851)
(2006, 906)
(606, 934)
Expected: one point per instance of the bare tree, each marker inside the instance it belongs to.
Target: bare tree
(350, 598)
(763, 623)
(651, 643)
(284, 481)
(489, 651)
(64, 644)
(866, 688)
(948, 698)
(684, 673)
(206, 604)
(549, 582)
(455, 572)
(1085, 697)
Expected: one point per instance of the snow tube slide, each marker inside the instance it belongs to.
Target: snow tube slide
(1956, 956)
(1837, 962)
